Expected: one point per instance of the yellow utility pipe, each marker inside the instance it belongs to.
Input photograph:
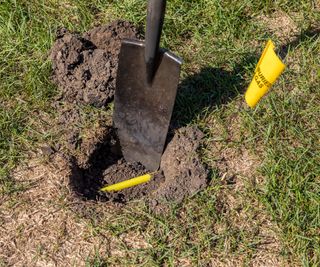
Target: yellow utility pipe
(127, 183)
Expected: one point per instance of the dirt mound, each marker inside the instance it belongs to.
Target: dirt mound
(84, 67)
(108, 37)
(181, 165)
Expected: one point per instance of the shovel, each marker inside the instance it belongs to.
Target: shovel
(146, 88)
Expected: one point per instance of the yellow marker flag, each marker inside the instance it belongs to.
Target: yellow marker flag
(268, 69)
(127, 183)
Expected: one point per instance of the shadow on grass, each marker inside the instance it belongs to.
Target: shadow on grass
(209, 89)
(305, 35)
(213, 87)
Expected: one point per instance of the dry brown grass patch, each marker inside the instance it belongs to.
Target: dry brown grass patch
(280, 24)
(38, 228)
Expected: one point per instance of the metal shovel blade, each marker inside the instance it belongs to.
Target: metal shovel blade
(142, 110)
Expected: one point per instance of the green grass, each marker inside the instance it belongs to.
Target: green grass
(289, 129)
(220, 43)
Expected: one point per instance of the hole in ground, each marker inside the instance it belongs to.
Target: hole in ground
(106, 166)
(182, 173)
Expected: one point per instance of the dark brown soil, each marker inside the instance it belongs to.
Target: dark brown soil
(84, 67)
(185, 174)
(182, 174)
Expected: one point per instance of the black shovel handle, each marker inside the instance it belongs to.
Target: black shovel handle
(155, 17)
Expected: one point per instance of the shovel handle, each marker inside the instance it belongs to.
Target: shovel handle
(155, 17)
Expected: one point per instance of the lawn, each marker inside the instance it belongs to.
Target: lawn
(262, 207)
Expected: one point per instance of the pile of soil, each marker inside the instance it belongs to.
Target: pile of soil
(184, 172)
(84, 68)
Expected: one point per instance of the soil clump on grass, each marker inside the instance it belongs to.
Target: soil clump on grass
(84, 69)
(84, 66)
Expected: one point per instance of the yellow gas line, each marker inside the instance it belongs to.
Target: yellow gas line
(128, 183)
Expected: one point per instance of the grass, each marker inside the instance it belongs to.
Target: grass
(220, 43)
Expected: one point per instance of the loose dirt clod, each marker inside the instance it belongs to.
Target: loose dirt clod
(184, 173)
(108, 37)
(85, 67)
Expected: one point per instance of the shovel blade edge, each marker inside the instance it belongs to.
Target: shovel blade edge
(142, 110)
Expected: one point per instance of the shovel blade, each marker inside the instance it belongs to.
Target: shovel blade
(142, 110)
